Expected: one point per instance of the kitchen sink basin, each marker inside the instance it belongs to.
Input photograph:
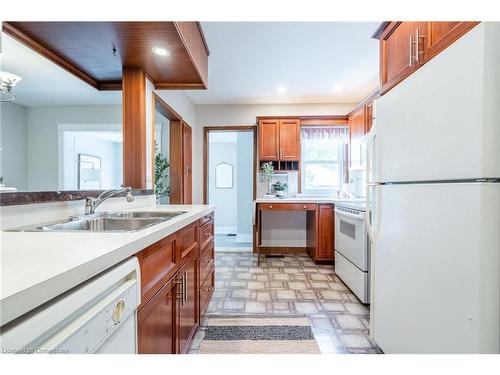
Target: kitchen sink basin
(101, 224)
(147, 214)
(126, 221)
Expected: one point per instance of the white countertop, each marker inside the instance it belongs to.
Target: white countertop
(38, 266)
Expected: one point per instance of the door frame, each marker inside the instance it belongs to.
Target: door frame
(175, 158)
(237, 128)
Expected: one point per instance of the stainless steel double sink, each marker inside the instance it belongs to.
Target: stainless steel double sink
(125, 221)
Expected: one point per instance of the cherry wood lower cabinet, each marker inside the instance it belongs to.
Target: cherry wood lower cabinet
(321, 233)
(156, 322)
(320, 228)
(188, 319)
(170, 312)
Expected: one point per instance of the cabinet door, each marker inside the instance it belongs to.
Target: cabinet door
(188, 305)
(441, 34)
(268, 139)
(368, 117)
(289, 139)
(326, 232)
(187, 156)
(401, 52)
(156, 322)
(356, 130)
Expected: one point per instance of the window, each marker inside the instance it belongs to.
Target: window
(323, 150)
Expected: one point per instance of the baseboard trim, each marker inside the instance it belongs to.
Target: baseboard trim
(225, 230)
(244, 237)
(282, 250)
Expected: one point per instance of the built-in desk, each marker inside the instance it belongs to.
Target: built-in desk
(320, 229)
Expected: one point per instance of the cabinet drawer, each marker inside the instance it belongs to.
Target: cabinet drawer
(206, 291)
(206, 218)
(287, 206)
(158, 264)
(206, 233)
(206, 260)
(187, 242)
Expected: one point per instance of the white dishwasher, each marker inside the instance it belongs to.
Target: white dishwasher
(98, 316)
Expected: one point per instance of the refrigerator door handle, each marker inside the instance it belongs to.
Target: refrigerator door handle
(369, 185)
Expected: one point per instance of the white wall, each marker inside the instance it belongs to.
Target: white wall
(180, 103)
(13, 130)
(87, 143)
(42, 137)
(283, 229)
(241, 114)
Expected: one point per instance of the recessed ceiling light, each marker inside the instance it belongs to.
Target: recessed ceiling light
(281, 89)
(337, 88)
(161, 51)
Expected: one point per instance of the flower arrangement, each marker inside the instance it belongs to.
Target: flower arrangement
(267, 169)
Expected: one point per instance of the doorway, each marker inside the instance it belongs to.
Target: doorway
(230, 185)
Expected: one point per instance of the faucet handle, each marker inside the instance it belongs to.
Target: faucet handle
(89, 205)
(130, 197)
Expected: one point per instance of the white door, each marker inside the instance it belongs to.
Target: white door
(435, 268)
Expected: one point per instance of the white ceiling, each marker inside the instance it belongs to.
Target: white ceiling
(45, 83)
(249, 60)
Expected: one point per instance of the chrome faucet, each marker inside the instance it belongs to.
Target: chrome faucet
(92, 203)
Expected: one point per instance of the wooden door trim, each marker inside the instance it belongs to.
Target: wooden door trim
(134, 127)
(206, 130)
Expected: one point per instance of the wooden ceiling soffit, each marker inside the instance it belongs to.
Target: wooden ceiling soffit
(85, 49)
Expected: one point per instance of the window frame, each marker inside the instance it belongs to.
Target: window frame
(340, 162)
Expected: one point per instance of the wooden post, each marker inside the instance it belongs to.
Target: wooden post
(134, 127)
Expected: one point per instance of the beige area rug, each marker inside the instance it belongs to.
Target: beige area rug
(258, 335)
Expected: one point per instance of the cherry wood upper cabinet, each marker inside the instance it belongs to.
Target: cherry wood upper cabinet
(442, 34)
(289, 139)
(405, 46)
(356, 131)
(400, 52)
(269, 139)
(279, 139)
(368, 117)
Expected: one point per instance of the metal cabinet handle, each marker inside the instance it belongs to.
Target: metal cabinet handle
(180, 295)
(184, 290)
(410, 63)
(417, 42)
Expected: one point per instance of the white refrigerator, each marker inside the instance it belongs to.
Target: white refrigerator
(433, 193)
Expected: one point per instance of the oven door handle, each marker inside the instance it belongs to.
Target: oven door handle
(352, 216)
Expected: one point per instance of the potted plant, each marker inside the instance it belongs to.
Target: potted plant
(280, 188)
(162, 185)
(267, 169)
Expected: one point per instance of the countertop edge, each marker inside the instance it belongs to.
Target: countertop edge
(22, 302)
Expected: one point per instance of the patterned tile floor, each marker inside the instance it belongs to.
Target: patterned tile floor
(293, 285)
